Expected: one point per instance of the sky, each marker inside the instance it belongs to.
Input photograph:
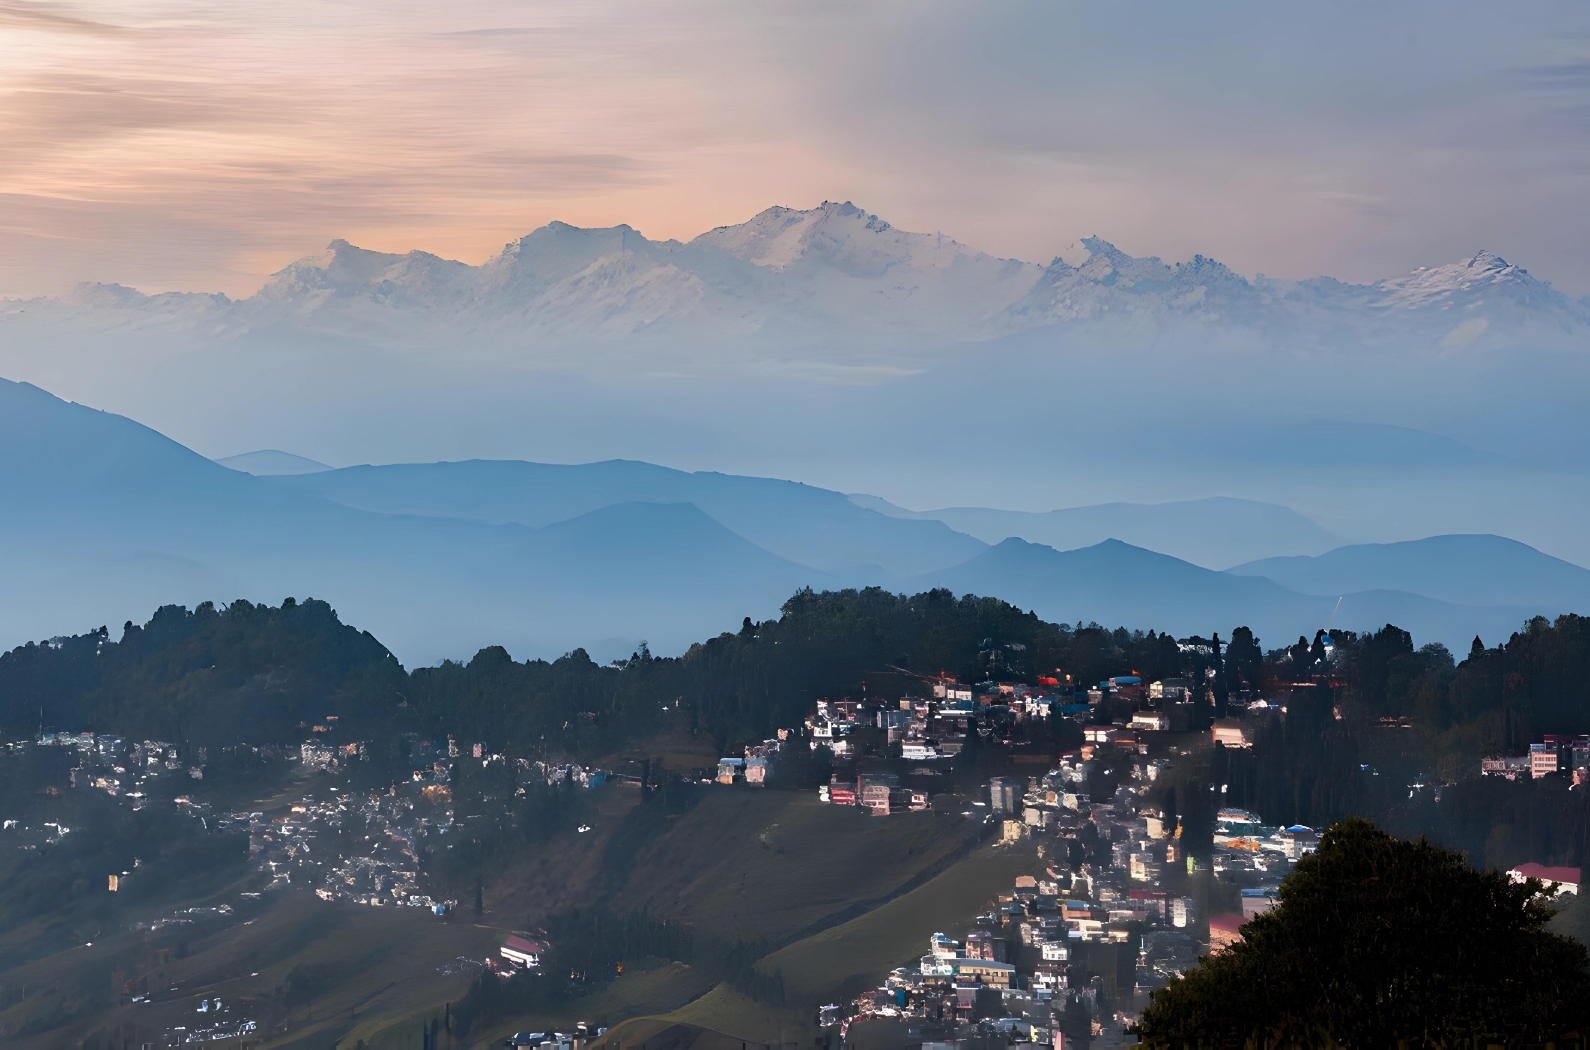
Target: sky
(175, 145)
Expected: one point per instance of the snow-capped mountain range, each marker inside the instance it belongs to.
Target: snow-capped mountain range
(828, 346)
(836, 272)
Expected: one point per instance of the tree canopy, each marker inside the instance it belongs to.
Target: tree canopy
(1378, 940)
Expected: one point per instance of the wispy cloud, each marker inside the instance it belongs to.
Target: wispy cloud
(53, 18)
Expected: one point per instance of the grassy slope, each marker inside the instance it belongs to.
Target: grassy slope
(725, 1010)
(857, 952)
(753, 864)
(677, 751)
(652, 992)
(861, 951)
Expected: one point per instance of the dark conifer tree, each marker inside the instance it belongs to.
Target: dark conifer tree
(1382, 942)
(1222, 685)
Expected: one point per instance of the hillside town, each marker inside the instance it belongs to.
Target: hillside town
(1124, 893)
(1119, 904)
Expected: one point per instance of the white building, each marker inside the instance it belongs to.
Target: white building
(1556, 880)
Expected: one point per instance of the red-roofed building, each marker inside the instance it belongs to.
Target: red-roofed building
(1557, 880)
(522, 953)
(1224, 931)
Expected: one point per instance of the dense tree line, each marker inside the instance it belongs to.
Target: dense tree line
(1496, 699)
(255, 676)
(210, 677)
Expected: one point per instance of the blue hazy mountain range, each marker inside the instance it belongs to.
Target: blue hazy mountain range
(1111, 579)
(828, 345)
(107, 519)
(1472, 570)
(269, 462)
(814, 527)
(1213, 532)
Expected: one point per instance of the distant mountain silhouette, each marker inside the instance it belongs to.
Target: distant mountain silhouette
(1208, 532)
(106, 519)
(1115, 584)
(270, 462)
(804, 524)
(1473, 570)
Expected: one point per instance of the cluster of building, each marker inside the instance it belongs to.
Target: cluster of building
(1032, 966)
(581, 1037)
(1556, 753)
(298, 847)
(925, 729)
(388, 874)
(1244, 842)
(928, 733)
(751, 767)
(219, 1031)
(113, 764)
(880, 793)
(1078, 944)
(387, 870)
(105, 763)
(1114, 913)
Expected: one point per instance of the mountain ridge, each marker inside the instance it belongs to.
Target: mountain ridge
(1093, 584)
(109, 518)
(790, 272)
(1495, 570)
(1206, 532)
(810, 526)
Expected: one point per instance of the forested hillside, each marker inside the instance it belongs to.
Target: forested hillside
(1366, 716)
(216, 677)
(253, 674)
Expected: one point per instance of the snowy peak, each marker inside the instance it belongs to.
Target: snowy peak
(1108, 265)
(93, 295)
(840, 276)
(1484, 260)
(344, 271)
(842, 236)
(1443, 286)
(1111, 281)
(531, 265)
(616, 295)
